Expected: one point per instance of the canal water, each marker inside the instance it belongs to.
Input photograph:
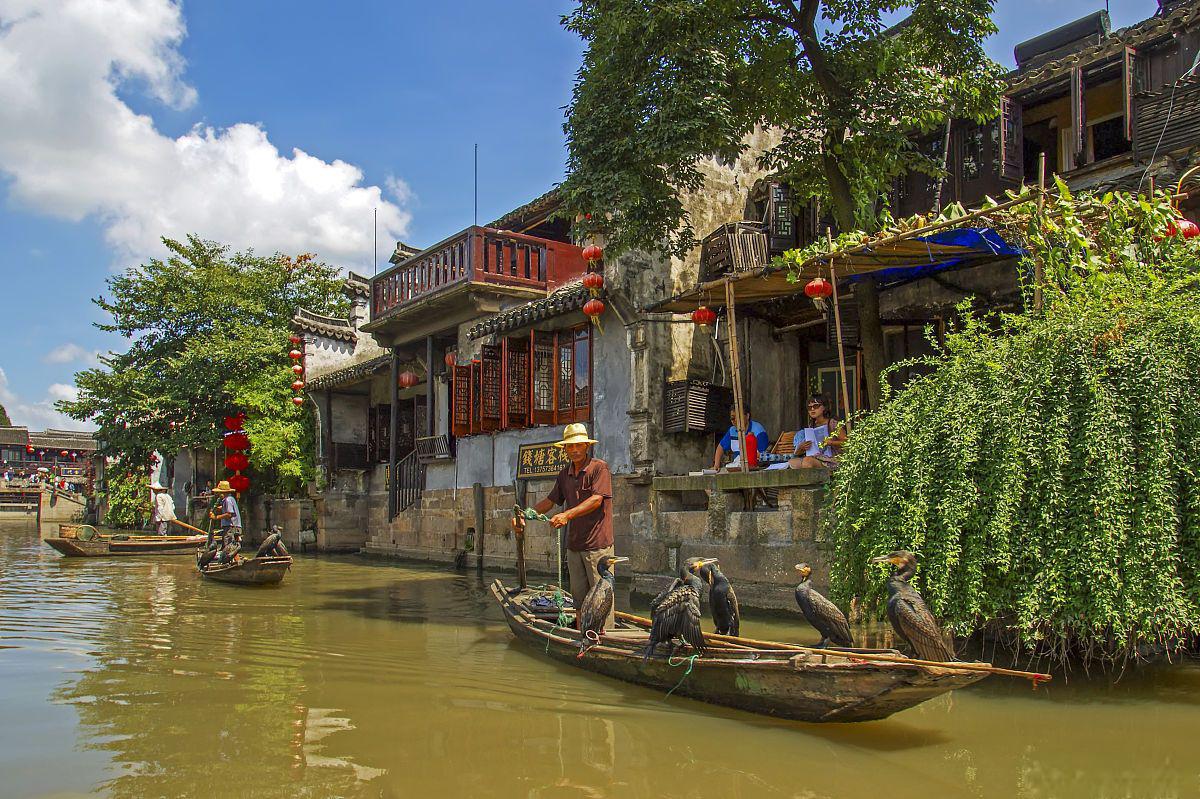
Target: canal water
(133, 678)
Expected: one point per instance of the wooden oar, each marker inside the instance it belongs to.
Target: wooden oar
(1033, 676)
(188, 526)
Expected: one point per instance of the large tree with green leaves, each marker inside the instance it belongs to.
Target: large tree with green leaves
(4, 420)
(668, 82)
(208, 335)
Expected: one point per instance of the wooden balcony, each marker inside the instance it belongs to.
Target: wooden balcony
(480, 256)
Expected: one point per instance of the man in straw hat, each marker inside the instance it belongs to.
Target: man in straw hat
(584, 489)
(229, 516)
(162, 508)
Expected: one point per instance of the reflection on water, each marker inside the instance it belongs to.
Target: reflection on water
(132, 678)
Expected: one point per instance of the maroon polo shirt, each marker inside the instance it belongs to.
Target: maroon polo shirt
(593, 530)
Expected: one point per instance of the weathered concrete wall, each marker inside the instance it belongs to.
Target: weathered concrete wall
(341, 512)
(321, 353)
(349, 418)
(263, 512)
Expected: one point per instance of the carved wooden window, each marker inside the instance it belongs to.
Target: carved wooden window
(1012, 140)
(566, 376)
(543, 382)
(516, 378)
(460, 413)
(490, 399)
(583, 373)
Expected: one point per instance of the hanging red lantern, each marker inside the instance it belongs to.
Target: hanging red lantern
(63, 453)
(593, 308)
(451, 359)
(295, 339)
(297, 401)
(592, 253)
(1189, 229)
(593, 282)
(295, 355)
(239, 483)
(407, 379)
(29, 448)
(818, 288)
(238, 441)
(236, 461)
(704, 316)
(297, 369)
(297, 385)
(233, 422)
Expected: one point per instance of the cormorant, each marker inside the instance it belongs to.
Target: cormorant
(678, 581)
(598, 603)
(820, 612)
(675, 613)
(906, 610)
(273, 545)
(722, 601)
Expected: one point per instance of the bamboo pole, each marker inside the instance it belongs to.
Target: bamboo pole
(1039, 273)
(837, 323)
(735, 367)
(188, 526)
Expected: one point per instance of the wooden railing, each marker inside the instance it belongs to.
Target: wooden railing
(477, 254)
(408, 478)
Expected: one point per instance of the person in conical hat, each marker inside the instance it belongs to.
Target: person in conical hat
(162, 508)
(229, 517)
(584, 489)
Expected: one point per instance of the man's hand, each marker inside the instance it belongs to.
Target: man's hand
(212, 515)
(518, 525)
(560, 520)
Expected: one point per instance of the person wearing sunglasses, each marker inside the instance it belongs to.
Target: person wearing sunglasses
(824, 441)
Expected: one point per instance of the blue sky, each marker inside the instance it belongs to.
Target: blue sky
(137, 118)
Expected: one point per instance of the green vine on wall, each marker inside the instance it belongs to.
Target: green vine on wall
(1045, 470)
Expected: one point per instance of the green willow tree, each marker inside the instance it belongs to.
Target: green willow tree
(668, 82)
(1045, 469)
(4, 420)
(208, 332)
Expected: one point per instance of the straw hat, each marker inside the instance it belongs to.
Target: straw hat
(222, 488)
(575, 434)
(157, 486)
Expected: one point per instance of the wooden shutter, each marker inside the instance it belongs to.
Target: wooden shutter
(373, 435)
(583, 373)
(1012, 140)
(476, 393)
(1078, 119)
(460, 412)
(516, 382)
(542, 377)
(1133, 67)
(564, 358)
(490, 384)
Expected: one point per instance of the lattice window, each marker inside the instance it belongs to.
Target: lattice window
(460, 413)
(566, 376)
(517, 381)
(490, 370)
(583, 373)
(543, 378)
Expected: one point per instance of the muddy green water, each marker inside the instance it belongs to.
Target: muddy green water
(133, 678)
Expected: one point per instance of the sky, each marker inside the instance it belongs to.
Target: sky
(298, 127)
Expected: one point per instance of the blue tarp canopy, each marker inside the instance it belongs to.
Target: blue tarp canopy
(894, 262)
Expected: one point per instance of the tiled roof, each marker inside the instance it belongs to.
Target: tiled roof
(327, 326)
(356, 285)
(14, 435)
(564, 299)
(348, 374)
(63, 439)
(538, 207)
(1142, 33)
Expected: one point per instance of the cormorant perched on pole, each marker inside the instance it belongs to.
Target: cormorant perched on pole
(906, 610)
(820, 612)
(722, 601)
(675, 613)
(594, 610)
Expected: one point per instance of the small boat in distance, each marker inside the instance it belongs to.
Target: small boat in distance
(774, 679)
(85, 541)
(266, 570)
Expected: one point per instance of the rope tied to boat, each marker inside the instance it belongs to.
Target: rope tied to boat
(591, 636)
(563, 621)
(690, 660)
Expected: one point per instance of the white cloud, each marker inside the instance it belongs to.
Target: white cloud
(73, 149)
(72, 353)
(40, 414)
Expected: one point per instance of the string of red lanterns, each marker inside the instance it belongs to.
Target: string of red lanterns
(236, 443)
(297, 355)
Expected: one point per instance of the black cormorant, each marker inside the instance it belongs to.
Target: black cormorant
(821, 613)
(722, 600)
(675, 613)
(273, 545)
(598, 603)
(907, 611)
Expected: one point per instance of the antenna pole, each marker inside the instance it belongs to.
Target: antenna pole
(476, 222)
(375, 216)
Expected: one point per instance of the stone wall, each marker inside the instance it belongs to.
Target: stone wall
(293, 515)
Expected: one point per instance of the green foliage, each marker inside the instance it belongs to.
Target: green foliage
(4, 420)
(1045, 470)
(666, 83)
(208, 335)
(125, 490)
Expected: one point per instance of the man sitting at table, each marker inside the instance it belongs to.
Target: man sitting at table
(730, 441)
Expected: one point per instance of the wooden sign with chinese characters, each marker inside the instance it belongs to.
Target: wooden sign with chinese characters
(540, 460)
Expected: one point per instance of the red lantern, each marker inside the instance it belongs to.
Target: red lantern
(704, 316)
(451, 359)
(818, 288)
(238, 441)
(295, 355)
(233, 422)
(592, 253)
(593, 282)
(297, 401)
(239, 483)
(407, 379)
(236, 461)
(1189, 229)
(63, 453)
(29, 448)
(295, 339)
(297, 369)
(593, 308)
(297, 385)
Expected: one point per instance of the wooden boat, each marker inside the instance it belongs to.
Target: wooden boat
(771, 678)
(267, 570)
(85, 541)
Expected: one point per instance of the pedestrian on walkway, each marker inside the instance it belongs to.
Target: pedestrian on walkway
(162, 508)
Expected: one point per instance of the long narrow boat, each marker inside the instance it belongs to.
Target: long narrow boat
(774, 679)
(84, 541)
(268, 570)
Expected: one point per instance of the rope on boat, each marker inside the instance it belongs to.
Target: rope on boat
(690, 660)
